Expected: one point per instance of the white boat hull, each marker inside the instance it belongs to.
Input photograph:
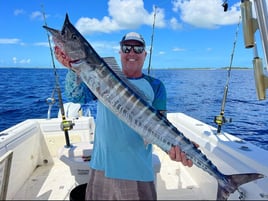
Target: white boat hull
(43, 168)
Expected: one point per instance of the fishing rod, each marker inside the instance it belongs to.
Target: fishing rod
(220, 119)
(65, 124)
(152, 38)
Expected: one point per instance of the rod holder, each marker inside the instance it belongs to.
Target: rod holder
(250, 24)
(261, 80)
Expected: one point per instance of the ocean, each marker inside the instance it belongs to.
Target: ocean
(197, 93)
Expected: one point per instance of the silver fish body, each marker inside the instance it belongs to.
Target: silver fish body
(111, 88)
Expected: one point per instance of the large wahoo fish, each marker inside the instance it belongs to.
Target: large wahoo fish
(111, 88)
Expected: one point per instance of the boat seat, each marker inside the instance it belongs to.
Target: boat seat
(71, 110)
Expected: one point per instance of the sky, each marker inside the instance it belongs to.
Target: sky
(187, 33)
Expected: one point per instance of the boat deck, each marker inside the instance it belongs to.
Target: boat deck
(175, 182)
(55, 181)
(48, 182)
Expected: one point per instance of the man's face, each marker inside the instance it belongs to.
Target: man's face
(132, 62)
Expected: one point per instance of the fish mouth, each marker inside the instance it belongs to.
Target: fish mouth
(75, 63)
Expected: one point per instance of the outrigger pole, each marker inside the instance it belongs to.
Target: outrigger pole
(65, 125)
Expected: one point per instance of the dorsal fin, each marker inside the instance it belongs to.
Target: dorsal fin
(116, 69)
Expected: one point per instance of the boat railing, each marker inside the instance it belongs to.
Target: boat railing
(5, 166)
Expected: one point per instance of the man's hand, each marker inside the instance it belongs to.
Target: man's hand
(176, 154)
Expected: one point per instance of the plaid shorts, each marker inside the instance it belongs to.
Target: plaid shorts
(100, 187)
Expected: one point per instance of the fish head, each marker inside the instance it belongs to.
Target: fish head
(70, 42)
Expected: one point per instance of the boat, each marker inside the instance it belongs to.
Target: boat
(47, 159)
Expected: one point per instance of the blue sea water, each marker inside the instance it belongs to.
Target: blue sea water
(198, 93)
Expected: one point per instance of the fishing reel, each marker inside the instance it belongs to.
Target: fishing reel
(67, 125)
(220, 120)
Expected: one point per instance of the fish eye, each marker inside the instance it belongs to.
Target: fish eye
(74, 37)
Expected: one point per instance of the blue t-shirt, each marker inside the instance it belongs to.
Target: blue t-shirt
(118, 150)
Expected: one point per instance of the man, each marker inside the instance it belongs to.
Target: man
(121, 163)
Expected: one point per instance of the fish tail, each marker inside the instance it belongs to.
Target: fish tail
(233, 182)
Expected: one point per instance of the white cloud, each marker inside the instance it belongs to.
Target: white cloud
(175, 24)
(177, 49)
(122, 14)
(22, 61)
(25, 61)
(130, 14)
(16, 41)
(14, 59)
(36, 15)
(43, 44)
(209, 49)
(88, 25)
(9, 41)
(18, 12)
(206, 13)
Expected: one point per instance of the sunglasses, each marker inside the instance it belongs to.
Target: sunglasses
(136, 48)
